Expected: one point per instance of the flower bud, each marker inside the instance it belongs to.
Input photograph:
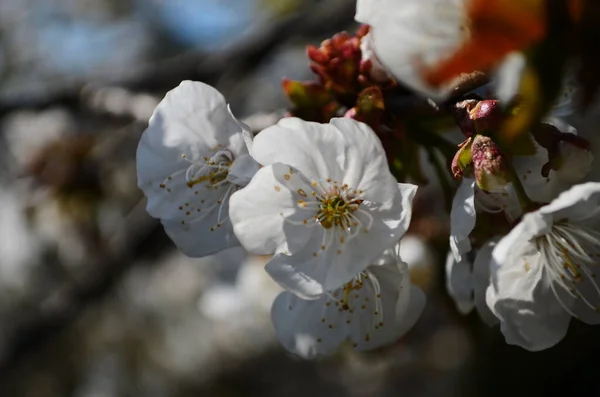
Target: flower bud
(486, 115)
(337, 63)
(310, 101)
(369, 107)
(462, 161)
(489, 165)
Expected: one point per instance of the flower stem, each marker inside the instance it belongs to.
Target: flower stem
(442, 176)
(524, 200)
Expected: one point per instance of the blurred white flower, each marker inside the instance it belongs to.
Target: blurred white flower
(410, 35)
(325, 203)
(373, 309)
(20, 249)
(252, 294)
(544, 270)
(467, 281)
(190, 160)
(419, 257)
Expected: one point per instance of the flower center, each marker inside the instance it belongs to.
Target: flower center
(212, 170)
(570, 253)
(336, 208)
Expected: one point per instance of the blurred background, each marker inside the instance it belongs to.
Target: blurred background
(94, 299)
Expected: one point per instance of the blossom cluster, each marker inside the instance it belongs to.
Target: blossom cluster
(326, 195)
(318, 197)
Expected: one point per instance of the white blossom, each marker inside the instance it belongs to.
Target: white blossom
(544, 270)
(190, 160)
(373, 309)
(467, 281)
(325, 203)
(410, 35)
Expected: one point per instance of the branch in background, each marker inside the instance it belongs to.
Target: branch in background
(318, 19)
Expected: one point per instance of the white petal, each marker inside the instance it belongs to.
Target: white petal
(242, 170)
(412, 34)
(481, 281)
(459, 282)
(529, 170)
(192, 119)
(246, 131)
(365, 164)
(379, 312)
(579, 203)
(507, 76)
(462, 218)
(344, 150)
(315, 269)
(299, 327)
(315, 149)
(266, 215)
(575, 162)
(521, 296)
(201, 233)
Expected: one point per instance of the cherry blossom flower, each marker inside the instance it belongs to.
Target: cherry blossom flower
(467, 281)
(411, 35)
(325, 203)
(544, 270)
(372, 310)
(190, 160)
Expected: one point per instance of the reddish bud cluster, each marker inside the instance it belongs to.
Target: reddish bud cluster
(344, 83)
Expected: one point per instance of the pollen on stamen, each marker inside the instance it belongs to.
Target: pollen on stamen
(323, 247)
(305, 221)
(302, 193)
(180, 208)
(330, 326)
(342, 239)
(162, 186)
(183, 222)
(301, 203)
(277, 188)
(367, 337)
(287, 177)
(188, 212)
(212, 228)
(315, 254)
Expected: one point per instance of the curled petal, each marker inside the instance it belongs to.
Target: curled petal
(462, 218)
